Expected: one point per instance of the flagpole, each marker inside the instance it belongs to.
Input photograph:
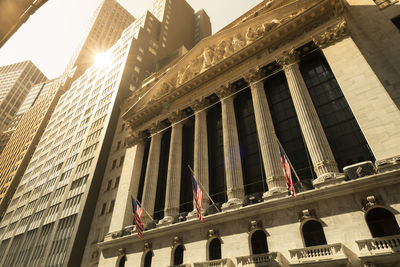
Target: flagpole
(291, 166)
(142, 206)
(205, 191)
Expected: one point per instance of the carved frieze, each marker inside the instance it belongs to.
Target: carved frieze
(332, 35)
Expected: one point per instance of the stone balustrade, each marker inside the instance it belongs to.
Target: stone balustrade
(318, 253)
(265, 259)
(380, 245)
(215, 263)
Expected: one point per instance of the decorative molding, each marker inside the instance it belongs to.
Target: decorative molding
(156, 127)
(224, 90)
(136, 138)
(254, 225)
(147, 246)
(122, 252)
(176, 116)
(370, 201)
(200, 104)
(307, 214)
(332, 35)
(254, 75)
(288, 58)
(212, 233)
(177, 240)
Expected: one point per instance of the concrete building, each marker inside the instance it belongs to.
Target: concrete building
(58, 193)
(18, 151)
(15, 82)
(315, 76)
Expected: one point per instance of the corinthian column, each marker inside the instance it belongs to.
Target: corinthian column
(200, 157)
(151, 178)
(129, 182)
(174, 169)
(266, 135)
(233, 164)
(320, 152)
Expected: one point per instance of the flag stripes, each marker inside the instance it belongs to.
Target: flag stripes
(137, 215)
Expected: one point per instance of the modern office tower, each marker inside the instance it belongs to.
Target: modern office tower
(33, 95)
(108, 14)
(49, 217)
(13, 14)
(15, 82)
(292, 86)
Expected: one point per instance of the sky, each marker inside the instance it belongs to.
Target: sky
(51, 35)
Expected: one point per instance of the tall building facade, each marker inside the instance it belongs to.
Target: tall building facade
(49, 218)
(19, 149)
(15, 82)
(293, 76)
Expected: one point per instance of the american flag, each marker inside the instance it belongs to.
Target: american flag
(137, 214)
(287, 172)
(198, 198)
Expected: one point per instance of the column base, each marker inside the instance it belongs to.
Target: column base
(193, 215)
(233, 203)
(167, 220)
(328, 179)
(278, 192)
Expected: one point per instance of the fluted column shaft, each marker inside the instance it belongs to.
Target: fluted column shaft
(267, 139)
(200, 158)
(233, 164)
(151, 178)
(320, 152)
(174, 172)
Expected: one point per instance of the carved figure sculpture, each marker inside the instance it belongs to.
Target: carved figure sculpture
(208, 56)
(251, 35)
(238, 42)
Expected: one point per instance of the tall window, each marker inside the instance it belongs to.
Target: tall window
(122, 261)
(347, 142)
(143, 170)
(186, 197)
(215, 249)
(147, 259)
(162, 175)
(382, 222)
(259, 242)
(253, 172)
(313, 234)
(216, 154)
(178, 255)
(286, 125)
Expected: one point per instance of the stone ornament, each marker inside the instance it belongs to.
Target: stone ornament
(200, 104)
(253, 75)
(156, 127)
(147, 246)
(307, 214)
(177, 240)
(255, 224)
(224, 90)
(332, 35)
(212, 233)
(176, 116)
(369, 202)
(136, 137)
(288, 58)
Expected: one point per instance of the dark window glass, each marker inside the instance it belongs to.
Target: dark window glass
(313, 234)
(186, 197)
(215, 249)
(103, 209)
(216, 154)
(382, 222)
(162, 175)
(253, 172)
(116, 182)
(287, 126)
(109, 185)
(122, 262)
(259, 242)
(396, 22)
(143, 170)
(178, 255)
(147, 259)
(347, 142)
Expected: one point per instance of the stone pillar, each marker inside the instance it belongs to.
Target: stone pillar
(320, 152)
(173, 191)
(129, 182)
(233, 163)
(151, 178)
(375, 111)
(266, 136)
(200, 157)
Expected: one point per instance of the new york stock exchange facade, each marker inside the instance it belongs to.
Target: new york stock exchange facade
(296, 73)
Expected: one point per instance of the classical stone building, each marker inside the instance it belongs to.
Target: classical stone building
(320, 77)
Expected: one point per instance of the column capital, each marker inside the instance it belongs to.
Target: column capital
(200, 104)
(287, 58)
(332, 34)
(176, 116)
(224, 90)
(253, 75)
(156, 127)
(136, 138)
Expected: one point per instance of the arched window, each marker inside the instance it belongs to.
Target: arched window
(147, 259)
(178, 255)
(259, 242)
(382, 222)
(215, 249)
(313, 234)
(122, 261)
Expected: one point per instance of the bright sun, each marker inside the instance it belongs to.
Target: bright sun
(103, 60)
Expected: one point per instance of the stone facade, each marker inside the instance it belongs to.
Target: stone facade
(275, 38)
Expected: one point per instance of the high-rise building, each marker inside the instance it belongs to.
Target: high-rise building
(15, 82)
(49, 217)
(19, 149)
(293, 93)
